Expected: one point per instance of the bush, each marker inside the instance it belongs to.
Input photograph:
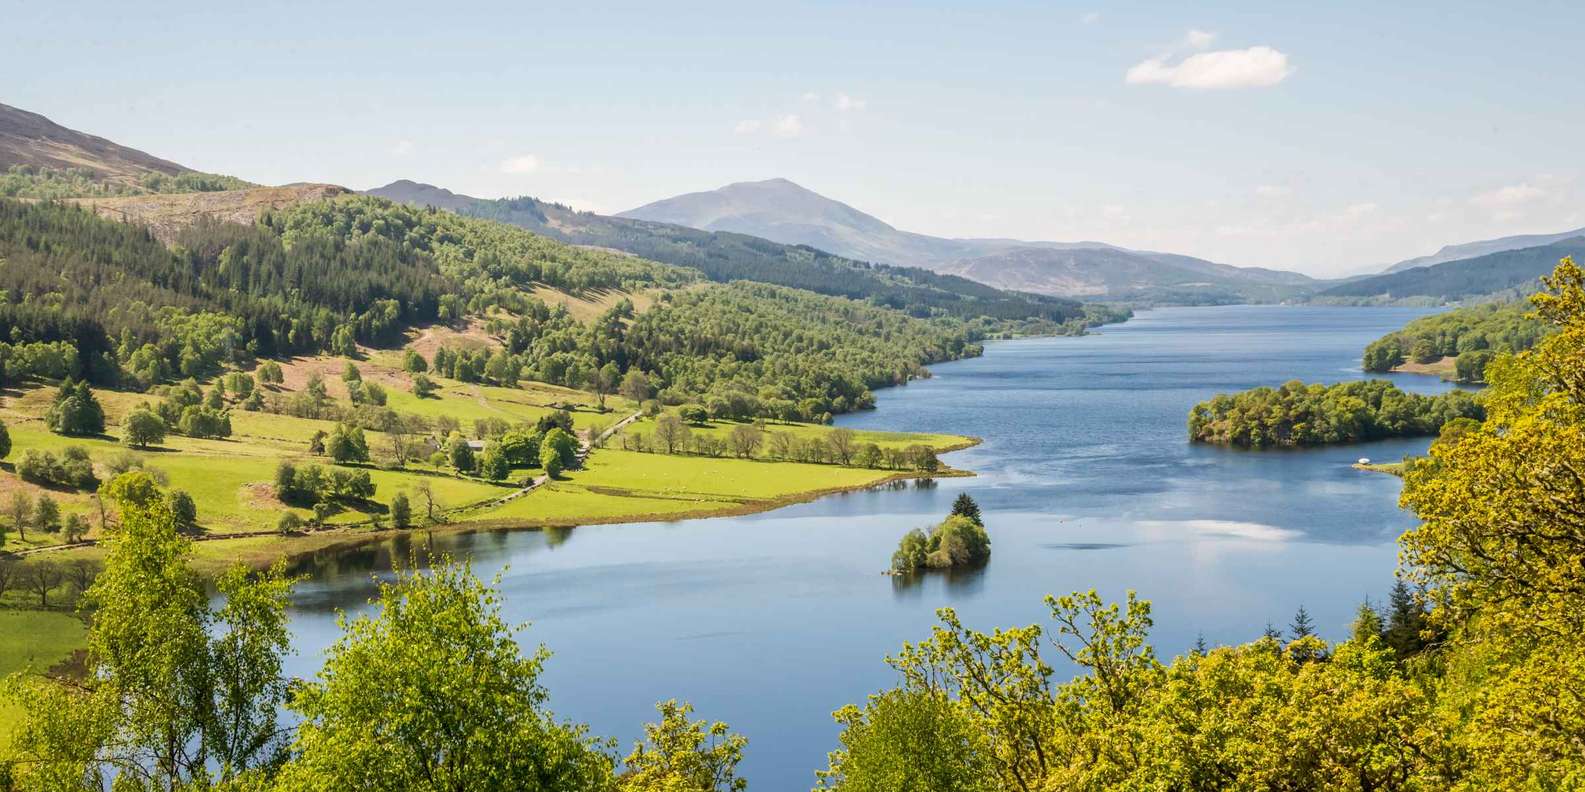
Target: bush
(73, 469)
(204, 421)
(289, 523)
(183, 510)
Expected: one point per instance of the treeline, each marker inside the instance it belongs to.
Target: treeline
(29, 181)
(776, 351)
(480, 256)
(1474, 335)
(225, 293)
(743, 350)
(1297, 414)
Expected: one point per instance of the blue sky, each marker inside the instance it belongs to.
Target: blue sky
(1323, 137)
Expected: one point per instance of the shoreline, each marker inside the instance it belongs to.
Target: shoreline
(336, 540)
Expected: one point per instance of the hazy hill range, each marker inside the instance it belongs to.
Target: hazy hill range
(1483, 247)
(727, 256)
(782, 211)
(1506, 273)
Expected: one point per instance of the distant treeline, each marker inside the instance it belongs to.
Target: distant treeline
(29, 181)
(725, 256)
(1297, 414)
(1474, 335)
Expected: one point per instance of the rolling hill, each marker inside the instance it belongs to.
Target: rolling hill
(728, 256)
(1508, 273)
(1472, 249)
(780, 210)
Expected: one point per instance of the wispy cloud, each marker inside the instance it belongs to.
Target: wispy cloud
(1199, 39)
(748, 126)
(403, 148)
(523, 163)
(1090, 18)
(1509, 196)
(1255, 67)
(846, 103)
(788, 126)
(1273, 191)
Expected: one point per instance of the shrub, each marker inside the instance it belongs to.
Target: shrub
(289, 523)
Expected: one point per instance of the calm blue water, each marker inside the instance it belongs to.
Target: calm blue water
(771, 621)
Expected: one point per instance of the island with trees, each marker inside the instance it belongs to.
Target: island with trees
(1297, 414)
(958, 541)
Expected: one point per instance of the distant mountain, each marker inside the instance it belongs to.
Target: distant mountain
(1504, 273)
(780, 210)
(1473, 249)
(725, 256)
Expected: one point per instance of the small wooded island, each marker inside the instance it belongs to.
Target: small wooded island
(958, 541)
(1297, 414)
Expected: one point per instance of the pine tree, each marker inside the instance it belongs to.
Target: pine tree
(1301, 627)
(1367, 624)
(1405, 621)
(965, 506)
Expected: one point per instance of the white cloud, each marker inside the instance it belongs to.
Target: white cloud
(1199, 39)
(787, 126)
(747, 126)
(845, 103)
(523, 163)
(1273, 191)
(402, 148)
(1509, 197)
(811, 96)
(1361, 209)
(1256, 67)
(1091, 17)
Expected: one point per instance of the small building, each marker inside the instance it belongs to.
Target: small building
(1364, 460)
(476, 445)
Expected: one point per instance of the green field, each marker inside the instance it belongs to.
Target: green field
(626, 485)
(35, 640)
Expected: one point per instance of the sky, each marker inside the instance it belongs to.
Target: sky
(1327, 138)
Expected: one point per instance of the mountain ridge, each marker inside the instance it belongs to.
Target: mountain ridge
(1466, 250)
(783, 211)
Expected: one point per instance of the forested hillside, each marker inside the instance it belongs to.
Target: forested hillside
(1473, 335)
(331, 275)
(726, 256)
(1509, 273)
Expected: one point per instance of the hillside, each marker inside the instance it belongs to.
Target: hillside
(1483, 247)
(42, 159)
(780, 210)
(167, 215)
(1508, 273)
(726, 256)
